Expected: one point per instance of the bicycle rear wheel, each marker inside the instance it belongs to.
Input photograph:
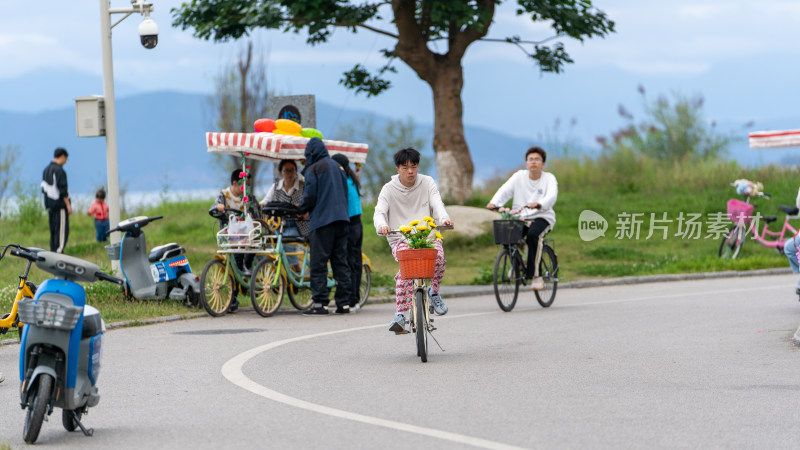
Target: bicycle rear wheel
(365, 285)
(507, 278)
(419, 319)
(548, 270)
(732, 242)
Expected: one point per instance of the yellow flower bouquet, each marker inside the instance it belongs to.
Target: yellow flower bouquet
(420, 233)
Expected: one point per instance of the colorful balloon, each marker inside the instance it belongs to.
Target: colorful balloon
(264, 125)
(310, 133)
(288, 126)
(284, 132)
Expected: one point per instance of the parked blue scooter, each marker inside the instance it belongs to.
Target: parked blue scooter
(59, 359)
(162, 273)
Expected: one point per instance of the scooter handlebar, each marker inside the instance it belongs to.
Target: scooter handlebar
(19, 251)
(100, 275)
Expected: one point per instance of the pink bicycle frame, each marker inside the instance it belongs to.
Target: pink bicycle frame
(780, 236)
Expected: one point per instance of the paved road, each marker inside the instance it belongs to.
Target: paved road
(700, 364)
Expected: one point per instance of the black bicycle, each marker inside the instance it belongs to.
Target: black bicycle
(509, 267)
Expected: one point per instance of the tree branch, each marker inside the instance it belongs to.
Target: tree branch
(376, 30)
(412, 47)
(462, 39)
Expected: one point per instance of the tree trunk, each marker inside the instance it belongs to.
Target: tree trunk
(453, 162)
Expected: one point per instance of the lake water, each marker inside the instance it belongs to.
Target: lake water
(130, 202)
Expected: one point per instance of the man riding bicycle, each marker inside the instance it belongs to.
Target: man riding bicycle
(534, 191)
(407, 197)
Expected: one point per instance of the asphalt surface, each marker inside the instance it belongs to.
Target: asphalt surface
(684, 364)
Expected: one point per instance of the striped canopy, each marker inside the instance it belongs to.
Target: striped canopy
(772, 139)
(274, 147)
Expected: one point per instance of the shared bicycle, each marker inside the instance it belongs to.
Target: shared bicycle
(510, 269)
(741, 214)
(421, 322)
(271, 276)
(25, 289)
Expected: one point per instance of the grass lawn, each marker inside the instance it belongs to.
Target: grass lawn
(644, 190)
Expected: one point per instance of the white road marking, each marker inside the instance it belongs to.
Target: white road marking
(232, 370)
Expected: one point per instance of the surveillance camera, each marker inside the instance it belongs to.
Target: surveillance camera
(148, 33)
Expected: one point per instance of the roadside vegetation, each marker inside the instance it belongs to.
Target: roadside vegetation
(668, 166)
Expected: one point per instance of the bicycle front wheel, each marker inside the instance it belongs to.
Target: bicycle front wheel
(266, 288)
(732, 242)
(422, 329)
(507, 278)
(548, 270)
(218, 290)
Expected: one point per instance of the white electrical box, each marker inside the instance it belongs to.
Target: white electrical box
(90, 116)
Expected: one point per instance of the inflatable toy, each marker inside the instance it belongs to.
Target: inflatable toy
(264, 125)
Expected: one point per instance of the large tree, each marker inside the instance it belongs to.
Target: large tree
(418, 27)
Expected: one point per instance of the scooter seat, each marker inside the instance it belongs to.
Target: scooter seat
(92, 322)
(165, 251)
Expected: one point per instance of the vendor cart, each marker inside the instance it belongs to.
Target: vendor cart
(221, 279)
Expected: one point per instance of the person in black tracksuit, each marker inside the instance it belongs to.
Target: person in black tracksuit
(56, 200)
(325, 199)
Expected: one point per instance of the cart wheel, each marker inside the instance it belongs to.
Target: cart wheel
(266, 288)
(218, 290)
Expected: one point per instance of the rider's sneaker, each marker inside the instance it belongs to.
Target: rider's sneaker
(342, 309)
(2, 377)
(398, 324)
(537, 283)
(233, 307)
(436, 301)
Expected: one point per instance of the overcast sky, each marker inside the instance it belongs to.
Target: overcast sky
(742, 55)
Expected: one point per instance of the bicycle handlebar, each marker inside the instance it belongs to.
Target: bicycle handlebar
(438, 227)
(524, 207)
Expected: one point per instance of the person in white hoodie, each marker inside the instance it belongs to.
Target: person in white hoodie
(534, 192)
(410, 196)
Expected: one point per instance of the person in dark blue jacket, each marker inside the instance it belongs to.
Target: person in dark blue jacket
(325, 201)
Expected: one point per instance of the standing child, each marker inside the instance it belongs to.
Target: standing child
(99, 210)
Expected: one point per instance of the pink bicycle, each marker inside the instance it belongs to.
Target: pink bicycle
(741, 214)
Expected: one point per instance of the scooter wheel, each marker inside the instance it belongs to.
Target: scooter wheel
(37, 408)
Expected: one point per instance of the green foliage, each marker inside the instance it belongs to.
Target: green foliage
(485, 276)
(9, 166)
(30, 210)
(383, 144)
(455, 22)
(671, 130)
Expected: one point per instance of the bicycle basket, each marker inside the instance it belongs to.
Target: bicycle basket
(417, 263)
(507, 231)
(48, 314)
(739, 210)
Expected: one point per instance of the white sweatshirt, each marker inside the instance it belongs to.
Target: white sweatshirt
(526, 191)
(398, 205)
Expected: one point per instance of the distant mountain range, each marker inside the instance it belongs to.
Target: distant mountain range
(161, 137)
(160, 140)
